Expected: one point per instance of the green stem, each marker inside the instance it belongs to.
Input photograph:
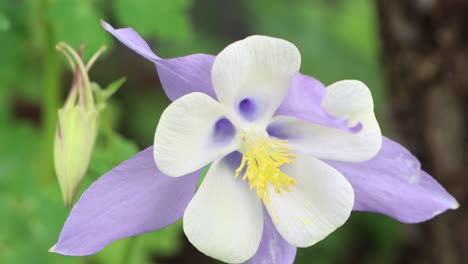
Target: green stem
(127, 254)
(50, 85)
(50, 107)
(107, 130)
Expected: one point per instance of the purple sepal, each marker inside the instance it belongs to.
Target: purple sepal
(273, 248)
(179, 76)
(131, 199)
(304, 101)
(392, 183)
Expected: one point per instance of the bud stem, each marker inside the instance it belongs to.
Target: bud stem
(71, 99)
(94, 57)
(83, 80)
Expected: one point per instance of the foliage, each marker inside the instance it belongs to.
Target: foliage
(167, 20)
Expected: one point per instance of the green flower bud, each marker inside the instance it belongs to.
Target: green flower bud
(74, 143)
(77, 127)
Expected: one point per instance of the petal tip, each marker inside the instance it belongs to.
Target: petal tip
(52, 249)
(106, 25)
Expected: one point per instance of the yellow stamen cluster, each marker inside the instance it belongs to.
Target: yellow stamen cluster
(262, 160)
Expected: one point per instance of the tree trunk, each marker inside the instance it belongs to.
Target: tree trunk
(425, 59)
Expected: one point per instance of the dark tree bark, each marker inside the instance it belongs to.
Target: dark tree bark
(425, 58)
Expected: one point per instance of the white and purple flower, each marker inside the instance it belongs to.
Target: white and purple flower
(290, 159)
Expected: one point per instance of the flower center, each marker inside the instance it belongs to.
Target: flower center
(262, 159)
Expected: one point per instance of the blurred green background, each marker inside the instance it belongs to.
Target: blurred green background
(338, 40)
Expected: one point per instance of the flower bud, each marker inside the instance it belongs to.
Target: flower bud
(74, 143)
(77, 127)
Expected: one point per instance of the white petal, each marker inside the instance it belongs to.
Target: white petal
(348, 99)
(258, 69)
(224, 220)
(319, 203)
(186, 138)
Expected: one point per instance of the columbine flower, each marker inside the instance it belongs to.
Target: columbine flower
(290, 160)
(76, 127)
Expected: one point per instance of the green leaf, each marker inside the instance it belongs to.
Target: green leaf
(14, 57)
(168, 20)
(102, 95)
(30, 219)
(113, 87)
(5, 23)
(20, 33)
(19, 145)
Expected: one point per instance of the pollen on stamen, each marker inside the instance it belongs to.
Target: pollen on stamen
(261, 161)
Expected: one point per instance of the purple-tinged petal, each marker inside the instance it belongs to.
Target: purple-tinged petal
(224, 220)
(273, 248)
(304, 101)
(257, 70)
(348, 98)
(392, 183)
(131, 199)
(318, 203)
(192, 132)
(179, 76)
